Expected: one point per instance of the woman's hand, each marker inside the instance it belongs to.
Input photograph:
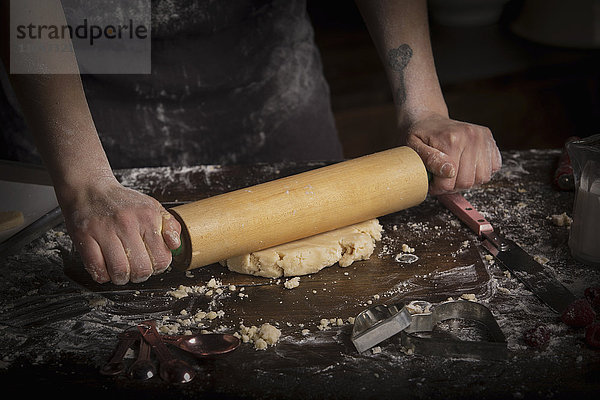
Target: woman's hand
(459, 155)
(122, 235)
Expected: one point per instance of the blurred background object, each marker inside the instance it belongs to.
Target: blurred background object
(530, 93)
(466, 12)
(574, 23)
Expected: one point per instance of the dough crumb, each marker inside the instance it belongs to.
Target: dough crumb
(504, 290)
(408, 352)
(292, 283)
(180, 292)
(407, 249)
(418, 307)
(199, 316)
(469, 297)
(213, 284)
(323, 324)
(414, 308)
(262, 337)
(184, 291)
(561, 219)
(169, 329)
(541, 259)
(211, 315)
(260, 344)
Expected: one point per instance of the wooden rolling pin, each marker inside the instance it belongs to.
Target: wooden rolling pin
(298, 206)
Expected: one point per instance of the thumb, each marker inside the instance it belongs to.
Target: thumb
(171, 230)
(437, 162)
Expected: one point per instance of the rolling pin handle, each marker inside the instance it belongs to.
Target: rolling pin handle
(177, 251)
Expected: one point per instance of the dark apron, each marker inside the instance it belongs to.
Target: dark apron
(232, 82)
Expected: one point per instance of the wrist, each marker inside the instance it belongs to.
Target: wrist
(72, 187)
(410, 114)
(407, 118)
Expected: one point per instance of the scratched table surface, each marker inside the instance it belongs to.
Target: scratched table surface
(58, 327)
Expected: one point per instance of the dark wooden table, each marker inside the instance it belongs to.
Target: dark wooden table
(64, 356)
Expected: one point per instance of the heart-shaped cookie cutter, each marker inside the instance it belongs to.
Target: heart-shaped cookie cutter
(380, 322)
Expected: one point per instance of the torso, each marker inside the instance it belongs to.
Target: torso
(236, 85)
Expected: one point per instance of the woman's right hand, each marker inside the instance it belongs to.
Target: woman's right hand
(121, 234)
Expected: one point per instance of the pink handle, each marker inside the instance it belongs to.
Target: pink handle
(460, 207)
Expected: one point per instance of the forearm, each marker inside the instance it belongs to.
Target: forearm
(55, 109)
(458, 154)
(400, 32)
(122, 235)
(59, 118)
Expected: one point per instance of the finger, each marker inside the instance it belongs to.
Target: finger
(93, 260)
(116, 261)
(466, 170)
(171, 230)
(437, 162)
(497, 160)
(160, 254)
(140, 264)
(483, 170)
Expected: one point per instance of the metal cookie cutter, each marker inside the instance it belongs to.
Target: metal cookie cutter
(377, 323)
(380, 322)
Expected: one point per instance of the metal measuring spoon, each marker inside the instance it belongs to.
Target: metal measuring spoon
(171, 369)
(203, 345)
(115, 365)
(143, 368)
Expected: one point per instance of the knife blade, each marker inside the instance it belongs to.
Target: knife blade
(523, 266)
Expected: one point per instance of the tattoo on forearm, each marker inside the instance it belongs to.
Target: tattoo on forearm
(398, 60)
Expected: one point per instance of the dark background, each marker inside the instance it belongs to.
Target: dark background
(530, 95)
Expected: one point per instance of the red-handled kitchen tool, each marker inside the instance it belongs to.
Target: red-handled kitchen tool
(524, 267)
(563, 175)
